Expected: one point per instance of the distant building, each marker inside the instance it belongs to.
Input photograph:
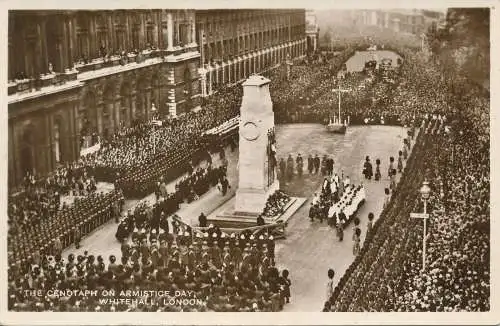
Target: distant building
(312, 31)
(411, 21)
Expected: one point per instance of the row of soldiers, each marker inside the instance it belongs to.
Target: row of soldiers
(314, 164)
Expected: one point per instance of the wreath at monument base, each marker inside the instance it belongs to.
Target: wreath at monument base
(276, 204)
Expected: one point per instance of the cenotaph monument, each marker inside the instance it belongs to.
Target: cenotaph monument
(257, 162)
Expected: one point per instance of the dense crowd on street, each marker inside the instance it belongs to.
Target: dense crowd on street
(222, 272)
(452, 154)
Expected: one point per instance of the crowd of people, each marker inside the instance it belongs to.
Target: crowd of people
(231, 272)
(221, 272)
(57, 231)
(452, 154)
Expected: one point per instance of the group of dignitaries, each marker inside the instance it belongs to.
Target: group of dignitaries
(314, 164)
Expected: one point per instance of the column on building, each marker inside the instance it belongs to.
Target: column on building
(170, 32)
(171, 104)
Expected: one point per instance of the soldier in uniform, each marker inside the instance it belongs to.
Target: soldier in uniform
(77, 236)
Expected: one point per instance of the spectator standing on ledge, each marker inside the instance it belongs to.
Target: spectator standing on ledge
(260, 221)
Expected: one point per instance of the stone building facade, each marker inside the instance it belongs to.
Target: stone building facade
(73, 73)
(237, 43)
(410, 21)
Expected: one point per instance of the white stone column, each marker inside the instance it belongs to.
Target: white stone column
(223, 69)
(170, 31)
(203, 81)
(210, 79)
(193, 34)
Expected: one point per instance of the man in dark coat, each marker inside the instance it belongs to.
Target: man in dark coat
(300, 165)
(317, 163)
(202, 219)
(310, 164)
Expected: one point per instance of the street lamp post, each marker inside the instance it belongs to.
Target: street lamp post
(425, 192)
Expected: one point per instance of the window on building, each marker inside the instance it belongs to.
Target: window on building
(150, 35)
(135, 37)
(120, 39)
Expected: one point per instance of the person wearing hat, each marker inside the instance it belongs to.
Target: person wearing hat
(202, 220)
(77, 236)
(112, 266)
(368, 169)
(300, 164)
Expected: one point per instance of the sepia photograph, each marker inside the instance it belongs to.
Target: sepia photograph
(248, 160)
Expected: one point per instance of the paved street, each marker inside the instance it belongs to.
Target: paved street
(311, 248)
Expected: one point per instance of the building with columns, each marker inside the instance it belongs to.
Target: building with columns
(237, 43)
(74, 73)
(312, 31)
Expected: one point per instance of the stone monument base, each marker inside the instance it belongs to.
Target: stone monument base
(252, 201)
(226, 217)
